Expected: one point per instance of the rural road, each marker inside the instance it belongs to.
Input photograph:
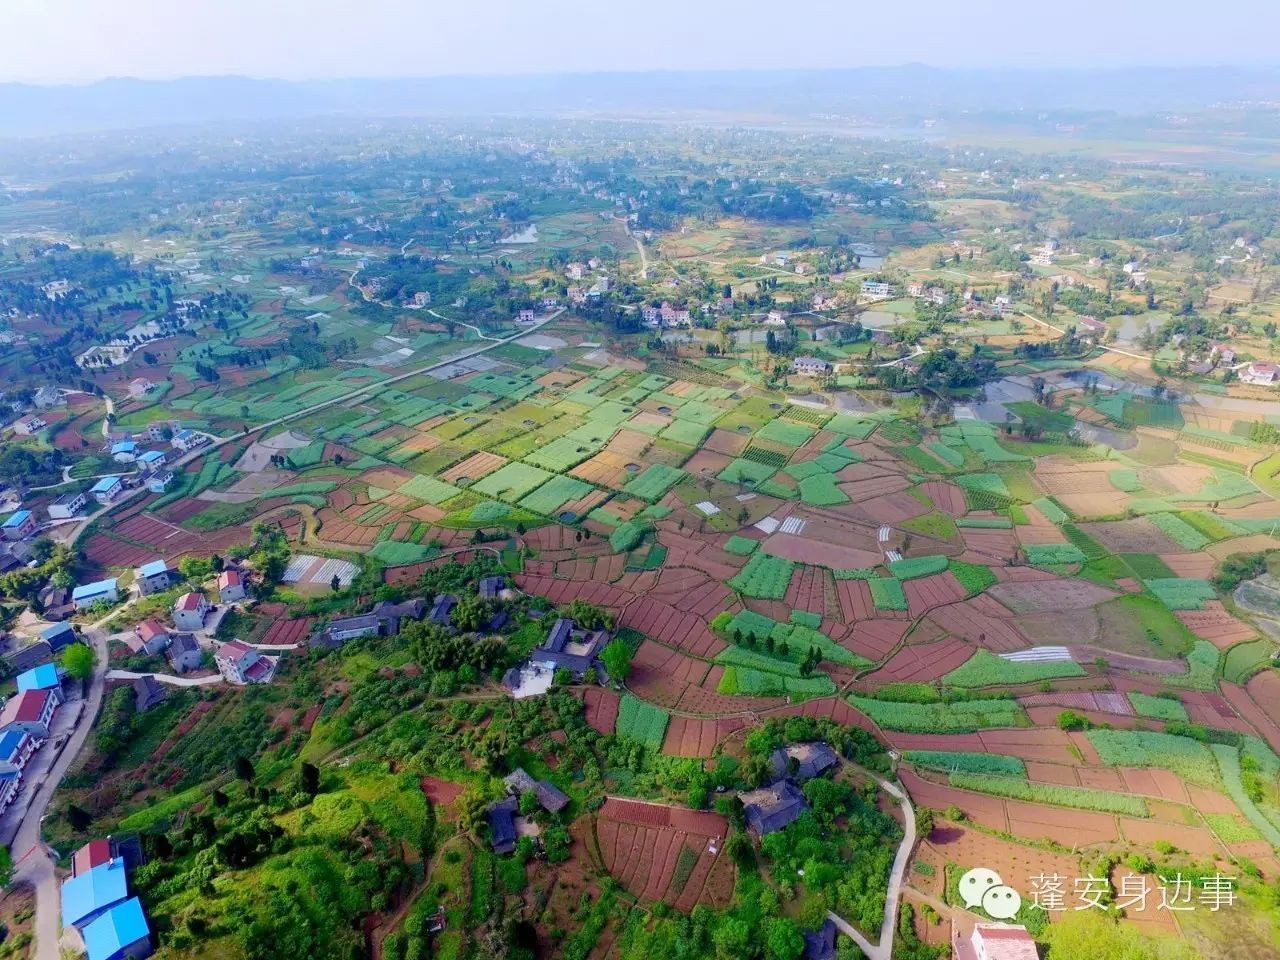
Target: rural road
(884, 949)
(166, 678)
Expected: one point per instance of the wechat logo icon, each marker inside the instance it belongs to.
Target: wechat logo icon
(983, 888)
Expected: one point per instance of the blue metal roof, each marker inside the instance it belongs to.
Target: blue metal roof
(151, 455)
(154, 568)
(120, 926)
(10, 740)
(18, 519)
(54, 631)
(105, 484)
(124, 446)
(43, 677)
(93, 589)
(87, 895)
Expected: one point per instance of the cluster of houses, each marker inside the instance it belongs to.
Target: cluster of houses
(567, 647)
(506, 824)
(666, 316)
(96, 902)
(780, 802)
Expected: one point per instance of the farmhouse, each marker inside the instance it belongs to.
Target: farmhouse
(10, 782)
(230, 586)
(774, 318)
(1093, 325)
(1221, 353)
(1262, 374)
(152, 460)
(89, 895)
(184, 652)
(997, 941)
(147, 692)
(19, 526)
(502, 824)
(47, 397)
(876, 289)
(31, 712)
(120, 933)
(550, 798)
(67, 506)
(773, 807)
(490, 588)
(802, 761)
(185, 440)
(1002, 305)
(16, 748)
(43, 677)
(29, 425)
(126, 451)
(107, 489)
(189, 611)
(140, 387)
(59, 636)
(102, 591)
(159, 481)
(441, 610)
(810, 366)
(241, 664)
(383, 620)
(153, 636)
(154, 576)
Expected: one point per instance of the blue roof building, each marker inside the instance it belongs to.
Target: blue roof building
(105, 485)
(89, 895)
(43, 677)
(99, 590)
(120, 932)
(151, 456)
(11, 744)
(58, 635)
(153, 569)
(124, 446)
(16, 520)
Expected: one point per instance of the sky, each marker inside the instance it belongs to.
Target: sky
(61, 41)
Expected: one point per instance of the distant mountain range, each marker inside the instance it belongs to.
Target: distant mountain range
(866, 92)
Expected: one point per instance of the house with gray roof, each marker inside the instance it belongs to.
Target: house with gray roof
(802, 761)
(550, 797)
(772, 807)
(502, 824)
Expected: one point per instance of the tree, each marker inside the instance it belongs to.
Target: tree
(617, 659)
(732, 939)
(472, 806)
(244, 768)
(336, 583)
(1088, 934)
(78, 661)
(309, 779)
(783, 939)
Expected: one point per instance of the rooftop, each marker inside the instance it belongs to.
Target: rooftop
(772, 807)
(17, 520)
(24, 707)
(43, 677)
(153, 569)
(550, 797)
(93, 854)
(105, 484)
(56, 630)
(228, 578)
(234, 650)
(11, 742)
(87, 893)
(95, 589)
(149, 629)
(189, 601)
(120, 926)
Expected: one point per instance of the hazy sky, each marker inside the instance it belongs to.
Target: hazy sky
(76, 40)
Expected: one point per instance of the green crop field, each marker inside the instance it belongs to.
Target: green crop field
(1188, 758)
(886, 593)
(985, 669)
(429, 490)
(764, 577)
(1181, 593)
(913, 567)
(964, 716)
(960, 762)
(1158, 708)
(1178, 530)
(974, 577)
(821, 490)
(511, 482)
(554, 494)
(1046, 554)
(786, 433)
(654, 482)
(741, 546)
(1079, 798)
(642, 721)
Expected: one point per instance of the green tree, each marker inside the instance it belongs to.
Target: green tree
(78, 661)
(1090, 934)
(617, 659)
(784, 941)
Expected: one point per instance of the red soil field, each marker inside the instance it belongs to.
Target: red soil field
(945, 496)
(601, 709)
(1215, 624)
(924, 663)
(696, 737)
(807, 590)
(983, 622)
(874, 639)
(288, 631)
(983, 546)
(926, 593)
(641, 845)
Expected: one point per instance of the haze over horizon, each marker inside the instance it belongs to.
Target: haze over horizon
(61, 41)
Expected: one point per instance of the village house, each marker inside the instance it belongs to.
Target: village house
(140, 387)
(154, 577)
(1221, 353)
(107, 489)
(152, 635)
(19, 525)
(1261, 374)
(230, 586)
(383, 620)
(550, 303)
(567, 647)
(10, 783)
(526, 316)
(88, 895)
(810, 366)
(1094, 326)
(490, 588)
(772, 807)
(126, 451)
(66, 506)
(29, 425)
(802, 761)
(59, 636)
(56, 289)
(121, 933)
(820, 944)
(47, 397)
(147, 692)
(30, 712)
(774, 318)
(184, 652)
(876, 289)
(996, 941)
(42, 677)
(186, 440)
(502, 824)
(101, 591)
(915, 289)
(159, 481)
(550, 797)
(241, 664)
(152, 460)
(189, 611)
(1002, 304)
(16, 748)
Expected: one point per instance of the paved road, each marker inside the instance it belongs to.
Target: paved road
(889, 926)
(168, 678)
